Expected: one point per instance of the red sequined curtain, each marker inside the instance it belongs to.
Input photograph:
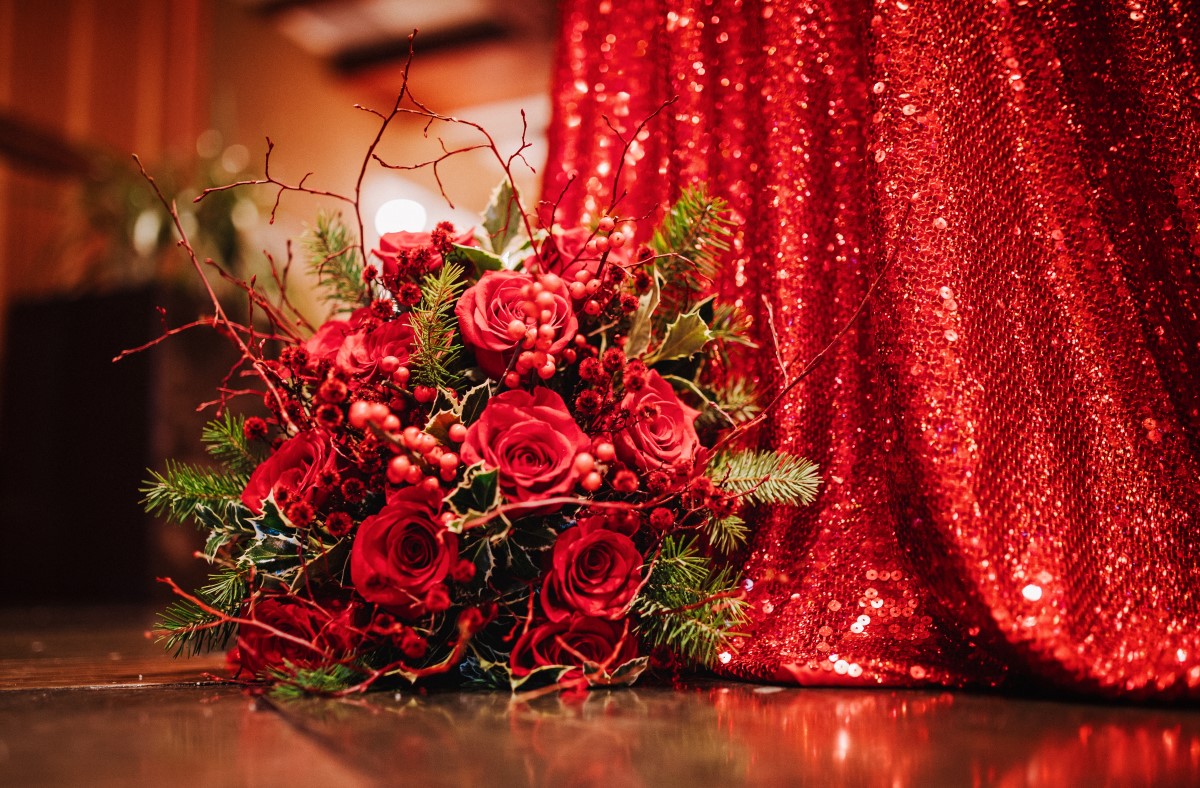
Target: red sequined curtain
(1009, 435)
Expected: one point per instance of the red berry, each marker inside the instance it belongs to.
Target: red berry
(584, 463)
(617, 240)
(449, 461)
(592, 307)
(359, 413)
(401, 375)
(516, 329)
(389, 364)
(551, 281)
(592, 482)
(512, 380)
(606, 224)
(605, 452)
(458, 433)
(424, 394)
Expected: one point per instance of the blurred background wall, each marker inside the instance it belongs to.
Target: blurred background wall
(87, 259)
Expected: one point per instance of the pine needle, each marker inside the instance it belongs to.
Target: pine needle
(435, 348)
(333, 259)
(183, 490)
(186, 627)
(225, 439)
(688, 605)
(766, 477)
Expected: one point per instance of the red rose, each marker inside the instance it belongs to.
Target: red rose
(326, 631)
(296, 466)
(393, 246)
(659, 432)
(531, 439)
(564, 642)
(594, 571)
(565, 254)
(329, 337)
(401, 554)
(362, 350)
(488, 308)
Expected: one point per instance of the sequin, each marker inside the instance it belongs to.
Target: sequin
(982, 430)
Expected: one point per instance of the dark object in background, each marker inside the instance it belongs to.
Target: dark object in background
(74, 437)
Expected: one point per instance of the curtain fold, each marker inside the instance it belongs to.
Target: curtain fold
(1009, 434)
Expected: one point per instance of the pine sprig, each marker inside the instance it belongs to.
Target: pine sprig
(689, 242)
(333, 259)
(435, 346)
(726, 534)
(294, 682)
(766, 477)
(185, 626)
(688, 605)
(225, 439)
(183, 491)
(736, 398)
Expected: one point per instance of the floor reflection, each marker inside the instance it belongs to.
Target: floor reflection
(735, 734)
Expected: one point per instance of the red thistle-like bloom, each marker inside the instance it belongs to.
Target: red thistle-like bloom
(329, 416)
(629, 303)
(657, 481)
(641, 280)
(588, 402)
(590, 370)
(437, 599)
(413, 645)
(300, 513)
(463, 571)
(613, 359)
(333, 390)
(662, 518)
(254, 428)
(338, 524)
(625, 481)
(354, 491)
(408, 294)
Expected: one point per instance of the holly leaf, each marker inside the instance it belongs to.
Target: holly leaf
(478, 493)
(502, 219)
(625, 674)
(640, 326)
(686, 336)
(439, 425)
(473, 403)
(479, 259)
(480, 554)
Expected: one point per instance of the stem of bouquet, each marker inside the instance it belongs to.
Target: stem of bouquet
(219, 318)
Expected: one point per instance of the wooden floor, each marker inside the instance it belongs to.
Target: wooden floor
(87, 699)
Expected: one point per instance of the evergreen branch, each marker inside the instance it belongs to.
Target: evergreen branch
(730, 324)
(734, 401)
(688, 244)
(186, 626)
(226, 441)
(766, 477)
(294, 682)
(688, 605)
(435, 346)
(334, 261)
(726, 534)
(183, 491)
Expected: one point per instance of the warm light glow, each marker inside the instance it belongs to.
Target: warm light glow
(1031, 592)
(400, 215)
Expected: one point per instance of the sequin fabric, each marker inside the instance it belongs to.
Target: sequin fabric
(1009, 434)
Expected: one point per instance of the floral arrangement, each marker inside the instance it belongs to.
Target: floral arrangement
(511, 454)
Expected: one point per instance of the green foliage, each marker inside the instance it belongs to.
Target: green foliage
(689, 242)
(726, 534)
(502, 219)
(686, 335)
(435, 347)
(732, 325)
(333, 259)
(225, 439)
(187, 627)
(186, 492)
(766, 477)
(731, 401)
(688, 605)
(294, 682)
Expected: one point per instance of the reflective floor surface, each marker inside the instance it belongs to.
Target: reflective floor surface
(90, 723)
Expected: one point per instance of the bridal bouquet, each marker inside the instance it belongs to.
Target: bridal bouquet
(510, 455)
